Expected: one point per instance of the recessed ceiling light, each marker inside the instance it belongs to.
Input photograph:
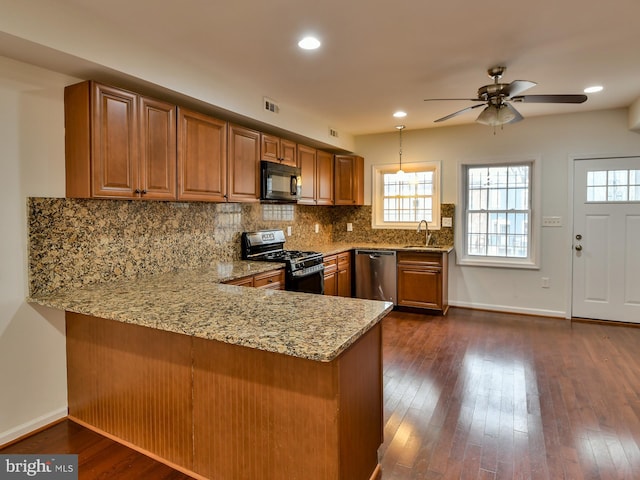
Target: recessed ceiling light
(309, 43)
(594, 89)
(400, 114)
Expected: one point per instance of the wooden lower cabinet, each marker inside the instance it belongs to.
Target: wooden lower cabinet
(422, 280)
(344, 274)
(273, 279)
(225, 411)
(337, 274)
(330, 275)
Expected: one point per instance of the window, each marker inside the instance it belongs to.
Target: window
(401, 201)
(613, 186)
(498, 210)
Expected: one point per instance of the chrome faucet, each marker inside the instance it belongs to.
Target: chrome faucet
(427, 235)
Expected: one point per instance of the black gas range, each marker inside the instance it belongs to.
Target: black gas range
(304, 271)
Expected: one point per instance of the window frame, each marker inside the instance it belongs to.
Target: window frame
(532, 261)
(377, 197)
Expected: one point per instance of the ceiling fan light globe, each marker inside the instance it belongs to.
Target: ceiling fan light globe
(495, 116)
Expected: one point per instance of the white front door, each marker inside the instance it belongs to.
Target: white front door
(606, 239)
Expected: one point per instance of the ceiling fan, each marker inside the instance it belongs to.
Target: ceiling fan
(496, 98)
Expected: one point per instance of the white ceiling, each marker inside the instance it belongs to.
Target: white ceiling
(381, 56)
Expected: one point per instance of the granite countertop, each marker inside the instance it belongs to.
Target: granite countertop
(335, 248)
(194, 302)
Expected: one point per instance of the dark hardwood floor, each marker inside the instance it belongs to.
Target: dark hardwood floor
(476, 395)
(99, 458)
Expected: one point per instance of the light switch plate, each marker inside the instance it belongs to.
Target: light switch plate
(551, 221)
(447, 222)
(349, 227)
(289, 231)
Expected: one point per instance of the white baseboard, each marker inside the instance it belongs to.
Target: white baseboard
(31, 426)
(510, 309)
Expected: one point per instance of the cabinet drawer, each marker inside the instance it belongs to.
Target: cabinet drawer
(419, 258)
(344, 260)
(241, 282)
(330, 264)
(273, 280)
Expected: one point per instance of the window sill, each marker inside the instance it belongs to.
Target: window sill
(492, 262)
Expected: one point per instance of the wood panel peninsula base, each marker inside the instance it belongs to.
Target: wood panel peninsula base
(221, 411)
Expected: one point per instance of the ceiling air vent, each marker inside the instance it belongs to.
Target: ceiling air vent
(270, 105)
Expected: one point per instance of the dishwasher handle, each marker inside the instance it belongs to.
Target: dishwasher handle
(373, 254)
(377, 253)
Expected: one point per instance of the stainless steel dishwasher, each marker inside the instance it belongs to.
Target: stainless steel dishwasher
(376, 275)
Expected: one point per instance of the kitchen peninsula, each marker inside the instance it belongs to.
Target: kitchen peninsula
(228, 382)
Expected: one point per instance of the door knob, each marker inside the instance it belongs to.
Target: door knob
(579, 248)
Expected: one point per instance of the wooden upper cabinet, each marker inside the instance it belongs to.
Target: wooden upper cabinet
(276, 149)
(157, 149)
(202, 157)
(115, 142)
(307, 165)
(317, 176)
(118, 144)
(349, 180)
(324, 178)
(288, 151)
(244, 164)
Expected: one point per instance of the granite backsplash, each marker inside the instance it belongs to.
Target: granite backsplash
(75, 242)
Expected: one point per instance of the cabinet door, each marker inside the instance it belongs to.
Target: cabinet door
(288, 152)
(157, 149)
(349, 180)
(202, 157)
(307, 165)
(244, 164)
(419, 287)
(269, 148)
(115, 142)
(324, 178)
(344, 274)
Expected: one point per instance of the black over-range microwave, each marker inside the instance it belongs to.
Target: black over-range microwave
(279, 182)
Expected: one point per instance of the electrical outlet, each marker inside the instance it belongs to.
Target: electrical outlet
(349, 227)
(447, 222)
(551, 221)
(317, 228)
(288, 231)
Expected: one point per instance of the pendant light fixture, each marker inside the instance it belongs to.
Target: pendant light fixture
(400, 128)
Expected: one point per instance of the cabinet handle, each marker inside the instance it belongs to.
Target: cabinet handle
(137, 191)
(143, 192)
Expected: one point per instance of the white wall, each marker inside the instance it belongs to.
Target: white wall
(84, 43)
(32, 341)
(553, 139)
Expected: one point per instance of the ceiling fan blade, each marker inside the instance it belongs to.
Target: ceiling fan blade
(461, 99)
(458, 113)
(550, 98)
(518, 86)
